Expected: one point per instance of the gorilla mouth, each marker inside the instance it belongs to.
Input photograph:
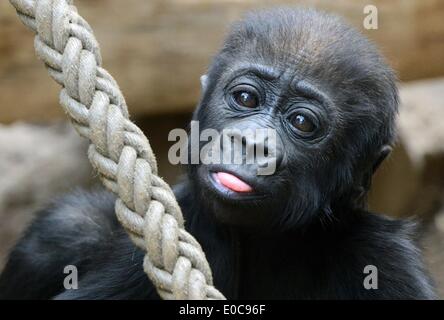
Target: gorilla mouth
(230, 187)
(231, 182)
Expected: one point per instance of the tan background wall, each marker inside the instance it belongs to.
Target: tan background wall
(157, 49)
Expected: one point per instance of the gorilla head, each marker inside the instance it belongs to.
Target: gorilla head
(330, 103)
(331, 100)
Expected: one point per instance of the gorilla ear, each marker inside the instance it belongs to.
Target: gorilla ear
(367, 178)
(203, 82)
(383, 153)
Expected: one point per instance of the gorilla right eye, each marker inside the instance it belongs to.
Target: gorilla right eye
(246, 98)
(304, 121)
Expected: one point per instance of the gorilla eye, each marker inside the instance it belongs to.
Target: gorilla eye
(246, 99)
(302, 123)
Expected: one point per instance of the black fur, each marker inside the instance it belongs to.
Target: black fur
(309, 236)
(322, 263)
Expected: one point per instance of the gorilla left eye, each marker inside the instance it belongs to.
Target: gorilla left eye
(303, 123)
(246, 99)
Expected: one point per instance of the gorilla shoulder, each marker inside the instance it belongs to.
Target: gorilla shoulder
(70, 231)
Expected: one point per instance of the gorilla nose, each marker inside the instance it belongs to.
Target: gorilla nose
(262, 147)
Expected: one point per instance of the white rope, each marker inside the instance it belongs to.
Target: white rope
(119, 151)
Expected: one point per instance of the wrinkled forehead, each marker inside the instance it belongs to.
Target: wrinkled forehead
(294, 58)
(286, 69)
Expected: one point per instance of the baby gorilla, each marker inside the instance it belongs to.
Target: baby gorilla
(302, 232)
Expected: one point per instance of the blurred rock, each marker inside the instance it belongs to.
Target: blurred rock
(419, 122)
(412, 180)
(36, 163)
(157, 49)
(395, 183)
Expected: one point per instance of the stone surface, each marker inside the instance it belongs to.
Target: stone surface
(411, 181)
(157, 49)
(36, 164)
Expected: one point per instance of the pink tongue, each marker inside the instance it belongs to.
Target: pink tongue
(233, 183)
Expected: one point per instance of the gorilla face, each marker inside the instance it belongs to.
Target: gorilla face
(327, 97)
(254, 97)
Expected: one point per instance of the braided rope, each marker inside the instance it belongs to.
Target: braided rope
(119, 151)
